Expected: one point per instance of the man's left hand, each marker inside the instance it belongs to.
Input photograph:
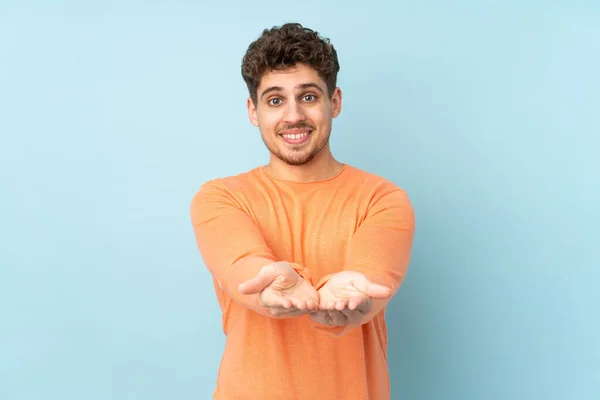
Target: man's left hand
(346, 298)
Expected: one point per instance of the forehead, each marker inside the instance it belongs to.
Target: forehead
(290, 78)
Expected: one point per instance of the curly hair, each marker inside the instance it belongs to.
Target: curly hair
(285, 46)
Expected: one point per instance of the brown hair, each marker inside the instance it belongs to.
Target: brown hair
(285, 46)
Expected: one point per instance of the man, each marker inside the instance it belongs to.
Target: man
(306, 251)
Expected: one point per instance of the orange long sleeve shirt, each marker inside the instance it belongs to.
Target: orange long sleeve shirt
(354, 221)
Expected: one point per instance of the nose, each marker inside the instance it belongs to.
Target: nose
(294, 113)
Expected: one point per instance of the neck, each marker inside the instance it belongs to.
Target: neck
(323, 166)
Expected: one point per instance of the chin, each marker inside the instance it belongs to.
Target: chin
(296, 162)
(296, 159)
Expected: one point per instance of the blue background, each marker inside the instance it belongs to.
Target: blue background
(112, 114)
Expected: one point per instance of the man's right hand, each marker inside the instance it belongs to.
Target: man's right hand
(282, 291)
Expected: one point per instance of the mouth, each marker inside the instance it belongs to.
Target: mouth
(296, 136)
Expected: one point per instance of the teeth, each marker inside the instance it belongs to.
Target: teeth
(295, 136)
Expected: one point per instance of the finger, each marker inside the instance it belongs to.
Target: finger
(355, 302)
(311, 305)
(341, 304)
(373, 290)
(272, 299)
(265, 277)
(287, 303)
(353, 305)
(330, 305)
(322, 305)
(361, 302)
(299, 303)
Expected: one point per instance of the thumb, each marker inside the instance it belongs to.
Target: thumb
(265, 277)
(373, 290)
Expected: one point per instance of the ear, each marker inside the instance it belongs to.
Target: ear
(252, 112)
(336, 102)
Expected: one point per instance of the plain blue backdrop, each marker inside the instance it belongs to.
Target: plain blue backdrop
(112, 114)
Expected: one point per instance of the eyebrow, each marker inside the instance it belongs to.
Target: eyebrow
(300, 86)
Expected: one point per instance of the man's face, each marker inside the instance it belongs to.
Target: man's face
(294, 113)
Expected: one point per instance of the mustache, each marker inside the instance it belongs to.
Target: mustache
(299, 125)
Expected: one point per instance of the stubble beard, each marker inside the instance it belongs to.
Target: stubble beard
(298, 157)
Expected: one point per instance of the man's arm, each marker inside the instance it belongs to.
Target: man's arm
(230, 243)
(380, 249)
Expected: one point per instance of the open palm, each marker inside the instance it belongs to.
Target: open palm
(346, 298)
(282, 291)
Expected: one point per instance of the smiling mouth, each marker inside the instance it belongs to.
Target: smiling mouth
(296, 138)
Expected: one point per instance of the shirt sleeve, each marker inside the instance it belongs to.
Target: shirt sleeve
(231, 245)
(381, 247)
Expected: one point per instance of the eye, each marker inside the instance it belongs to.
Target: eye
(275, 101)
(309, 98)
